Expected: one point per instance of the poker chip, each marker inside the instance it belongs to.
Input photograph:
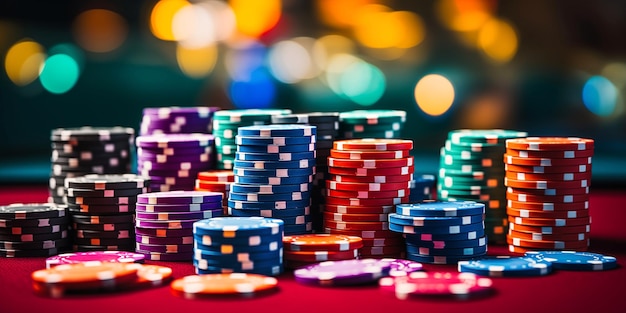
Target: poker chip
(345, 272)
(33, 229)
(241, 284)
(321, 242)
(360, 124)
(575, 260)
(87, 150)
(547, 193)
(96, 277)
(471, 168)
(436, 284)
(238, 244)
(172, 120)
(505, 266)
(108, 182)
(94, 256)
(320, 255)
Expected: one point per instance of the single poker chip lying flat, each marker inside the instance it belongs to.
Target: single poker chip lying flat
(344, 272)
(505, 266)
(573, 260)
(438, 284)
(94, 256)
(244, 284)
(316, 242)
(107, 181)
(32, 210)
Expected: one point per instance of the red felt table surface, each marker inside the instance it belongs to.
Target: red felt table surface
(561, 291)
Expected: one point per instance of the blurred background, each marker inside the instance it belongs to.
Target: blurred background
(551, 68)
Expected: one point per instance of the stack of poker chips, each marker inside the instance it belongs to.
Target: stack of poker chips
(216, 181)
(274, 168)
(303, 250)
(441, 232)
(471, 168)
(173, 161)
(177, 120)
(371, 124)
(37, 229)
(548, 180)
(422, 187)
(238, 244)
(368, 177)
(225, 126)
(164, 222)
(88, 150)
(327, 124)
(102, 209)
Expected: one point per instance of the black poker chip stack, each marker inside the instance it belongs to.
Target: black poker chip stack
(102, 210)
(327, 124)
(34, 229)
(88, 150)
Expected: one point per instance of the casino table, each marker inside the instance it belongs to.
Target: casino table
(561, 291)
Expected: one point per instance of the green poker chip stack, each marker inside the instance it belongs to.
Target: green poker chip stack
(225, 126)
(371, 124)
(471, 167)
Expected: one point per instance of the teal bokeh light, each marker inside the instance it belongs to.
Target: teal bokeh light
(59, 74)
(600, 96)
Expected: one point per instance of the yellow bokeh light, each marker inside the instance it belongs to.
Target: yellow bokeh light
(411, 30)
(162, 17)
(464, 15)
(339, 13)
(328, 46)
(24, 61)
(434, 94)
(196, 62)
(376, 26)
(100, 30)
(498, 40)
(255, 17)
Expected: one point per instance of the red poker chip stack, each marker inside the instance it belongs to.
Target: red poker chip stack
(548, 180)
(216, 181)
(368, 177)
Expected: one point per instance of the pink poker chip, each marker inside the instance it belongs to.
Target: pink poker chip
(94, 256)
(402, 267)
(436, 284)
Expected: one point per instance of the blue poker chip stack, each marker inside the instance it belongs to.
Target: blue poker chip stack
(173, 161)
(274, 168)
(177, 120)
(226, 124)
(164, 222)
(238, 244)
(87, 150)
(422, 187)
(327, 124)
(441, 232)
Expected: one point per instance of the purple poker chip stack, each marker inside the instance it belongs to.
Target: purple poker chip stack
(164, 222)
(177, 120)
(173, 161)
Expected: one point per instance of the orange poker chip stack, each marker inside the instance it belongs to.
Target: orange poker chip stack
(548, 180)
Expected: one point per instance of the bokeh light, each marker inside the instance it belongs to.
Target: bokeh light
(616, 73)
(198, 62)
(498, 40)
(100, 30)
(339, 14)
(257, 92)
(162, 18)
(72, 50)
(23, 62)
(245, 58)
(291, 60)
(434, 94)
(465, 15)
(254, 18)
(59, 73)
(193, 27)
(362, 83)
(328, 46)
(600, 96)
